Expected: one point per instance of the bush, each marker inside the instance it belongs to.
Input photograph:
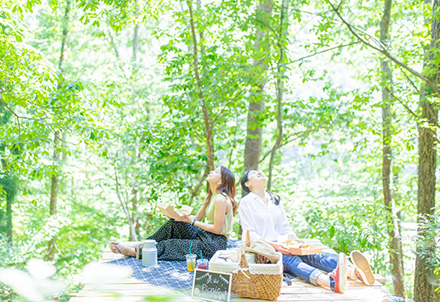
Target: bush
(346, 225)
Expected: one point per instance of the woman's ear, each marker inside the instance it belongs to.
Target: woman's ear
(247, 184)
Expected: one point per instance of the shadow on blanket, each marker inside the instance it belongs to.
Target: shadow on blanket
(168, 274)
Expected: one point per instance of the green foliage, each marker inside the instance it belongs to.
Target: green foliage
(429, 243)
(347, 225)
(130, 118)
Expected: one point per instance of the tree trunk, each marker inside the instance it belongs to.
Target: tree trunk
(124, 205)
(9, 201)
(282, 36)
(56, 154)
(53, 194)
(135, 42)
(392, 222)
(7, 179)
(134, 215)
(208, 127)
(254, 131)
(423, 288)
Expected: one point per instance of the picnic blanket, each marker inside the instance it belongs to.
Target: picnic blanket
(168, 274)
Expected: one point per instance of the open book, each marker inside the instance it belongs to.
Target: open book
(169, 211)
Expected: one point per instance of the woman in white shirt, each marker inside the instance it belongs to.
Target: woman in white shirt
(262, 213)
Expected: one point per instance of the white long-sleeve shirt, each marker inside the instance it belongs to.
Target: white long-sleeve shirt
(264, 221)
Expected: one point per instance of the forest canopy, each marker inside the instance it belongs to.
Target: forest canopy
(109, 107)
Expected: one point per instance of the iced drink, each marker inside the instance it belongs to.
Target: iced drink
(202, 263)
(191, 261)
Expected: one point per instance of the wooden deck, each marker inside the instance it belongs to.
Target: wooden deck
(131, 290)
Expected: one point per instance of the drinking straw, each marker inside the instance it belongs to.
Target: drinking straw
(190, 246)
(201, 256)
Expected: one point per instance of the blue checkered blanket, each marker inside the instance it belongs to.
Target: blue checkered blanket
(168, 274)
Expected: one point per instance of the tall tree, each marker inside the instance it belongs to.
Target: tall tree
(8, 186)
(254, 131)
(395, 246)
(56, 142)
(208, 126)
(423, 288)
(281, 71)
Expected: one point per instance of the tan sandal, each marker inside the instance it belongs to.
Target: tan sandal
(138, 250)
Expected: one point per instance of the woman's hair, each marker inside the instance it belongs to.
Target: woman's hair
(227, 188)
(245, 178)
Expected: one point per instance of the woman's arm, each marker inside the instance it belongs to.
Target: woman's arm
(200, 214)
(246, 221)
(219, 217)
(278, 247)
(287, 228)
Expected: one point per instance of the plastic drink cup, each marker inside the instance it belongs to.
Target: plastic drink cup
(202, 263)
(191, 261)
(392, 298)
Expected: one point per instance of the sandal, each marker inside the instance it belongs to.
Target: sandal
(138, 250)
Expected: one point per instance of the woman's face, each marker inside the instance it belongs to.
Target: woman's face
(215, 176)
(256, 179)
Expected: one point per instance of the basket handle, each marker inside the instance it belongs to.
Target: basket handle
(248, 238)
(244, 244)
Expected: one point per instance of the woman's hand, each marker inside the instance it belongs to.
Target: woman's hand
(279, 248)
(167, 216)
(184, 218)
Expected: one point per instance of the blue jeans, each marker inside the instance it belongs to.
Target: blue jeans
(306, 267)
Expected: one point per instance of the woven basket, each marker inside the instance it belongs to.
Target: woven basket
(249, 283)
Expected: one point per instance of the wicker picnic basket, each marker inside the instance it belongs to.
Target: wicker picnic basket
(257, 281)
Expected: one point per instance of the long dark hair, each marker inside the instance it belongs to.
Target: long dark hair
(227, 188)
(245, 178)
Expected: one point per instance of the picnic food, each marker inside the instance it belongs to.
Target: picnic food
(300, 247)
(294, 244)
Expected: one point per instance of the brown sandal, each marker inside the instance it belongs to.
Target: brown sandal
(138, 250)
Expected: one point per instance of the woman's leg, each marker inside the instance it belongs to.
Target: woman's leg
(174, 229)
(325, 261)
(296, 266)
(175, 249)
(123, 249)
(211, 243)
(336, 280)
(171, 229)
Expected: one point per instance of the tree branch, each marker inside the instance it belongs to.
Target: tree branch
(124, 205)
(199, 185)
(293, 137)
(382, 49)
(19, 130)
(284, 23)
(411, 82)
(224, 107)
(9, 109)
(323, 51)
(200, 94)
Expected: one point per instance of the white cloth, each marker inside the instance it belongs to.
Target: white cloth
(264, 220)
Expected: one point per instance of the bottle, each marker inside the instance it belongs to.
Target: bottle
(149, 253)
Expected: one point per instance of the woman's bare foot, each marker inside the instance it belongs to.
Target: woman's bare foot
(119, 248)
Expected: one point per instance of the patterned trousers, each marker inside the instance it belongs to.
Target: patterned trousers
(174, 239)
